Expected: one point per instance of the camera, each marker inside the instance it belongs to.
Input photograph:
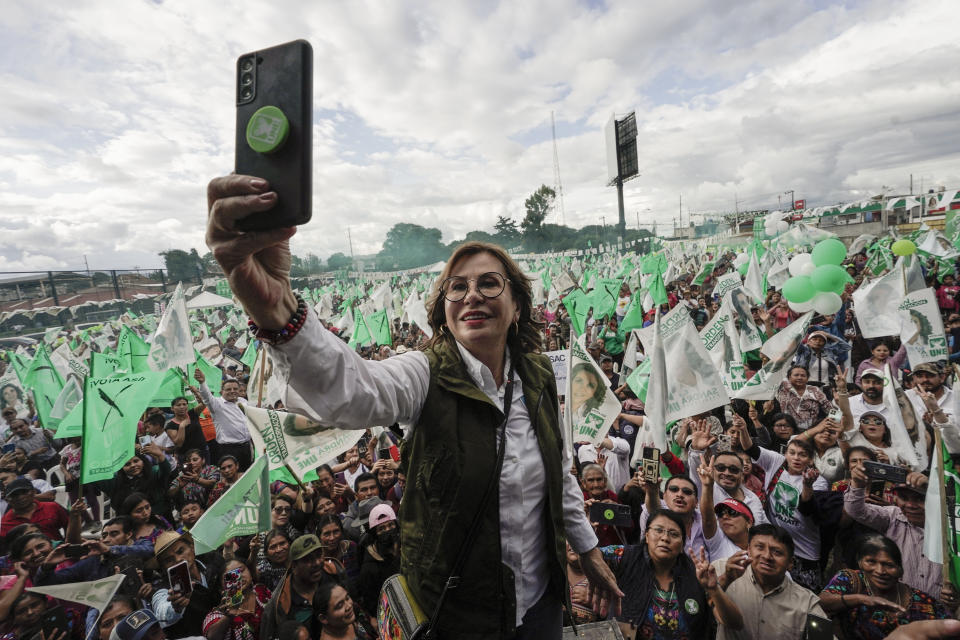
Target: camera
(610, 513)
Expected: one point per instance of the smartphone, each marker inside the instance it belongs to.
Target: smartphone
(9, 448)
(145, 440)
(818, 628)
(232, 587)
(650, 464)
(617, 515)
(885, 472)
(74, 551)
(275, 130)
(724, 442)
(131, 580)
(179, 576)
(876, 490)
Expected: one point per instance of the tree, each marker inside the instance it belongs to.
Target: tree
(183, 266)
(410, 245)
(338, 261)
(537, 206)
(506, 232)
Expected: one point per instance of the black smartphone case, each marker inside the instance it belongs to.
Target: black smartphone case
(282, 77)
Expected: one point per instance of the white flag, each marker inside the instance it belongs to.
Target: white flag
(722, 341)
(296, 441)
(416, 311)
(933, 519)
(591, 407)
(172, 344)
(913, 273)
(753, 282)
(655, 408)
(95, 594)
(381, 297)
(922, 328)
(876, 304)
(907, 433)
(693, 383)
(780, 349)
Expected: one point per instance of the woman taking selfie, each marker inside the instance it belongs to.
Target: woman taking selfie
(483, 366)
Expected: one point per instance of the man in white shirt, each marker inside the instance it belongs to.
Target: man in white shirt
(233, 438)
(930, 380)
(872, 397)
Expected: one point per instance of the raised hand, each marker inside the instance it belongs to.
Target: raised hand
(257, 264)
(706, 574)
(736, 565)
(705, 471)
(841, 380)
(702, 438)
(810, 476)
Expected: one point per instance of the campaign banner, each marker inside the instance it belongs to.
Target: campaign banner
(722, 342)
(590, 406)
(881, 300)
(559, 361)
(296, 441)
(780, 349)
(921, 328)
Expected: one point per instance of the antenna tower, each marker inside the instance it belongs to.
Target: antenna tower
(557, 185)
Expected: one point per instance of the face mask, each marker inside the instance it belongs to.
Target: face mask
(386, 541)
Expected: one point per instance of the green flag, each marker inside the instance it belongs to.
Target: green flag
(171, 387)
(577, 306)
(103, 365)
(225, 333)
(249, 356)
(211, 371)
(243, 510)
(133, 351)
(111, 408)
(705, 271)
(20, 364)
(378, 324)
(633, 318)
(46, 383)
(658, 291)
(72, 425)
(639, 379)
(361, 334)
(605, 297)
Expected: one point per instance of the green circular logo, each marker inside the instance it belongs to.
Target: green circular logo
(608, 514)
(267, 129)
(691, 606)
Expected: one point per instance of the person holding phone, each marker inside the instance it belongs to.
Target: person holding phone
(229, 621)
(485, 346)
(181, 613)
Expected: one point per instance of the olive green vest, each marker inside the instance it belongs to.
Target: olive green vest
(449, 460)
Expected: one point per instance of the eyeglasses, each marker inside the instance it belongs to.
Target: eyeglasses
(727, 511)
(489, 285)
(671, 534)
(281, 509)
(728, 468)
(873, 421)
(687, 491)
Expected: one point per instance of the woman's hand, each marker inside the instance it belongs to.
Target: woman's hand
(840, 380)
(877, 602)
(701, 436)
(605, 595)
(256, 263)
(810, 476)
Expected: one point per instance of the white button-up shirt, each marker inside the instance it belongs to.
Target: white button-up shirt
(329, 382)
(228, 417)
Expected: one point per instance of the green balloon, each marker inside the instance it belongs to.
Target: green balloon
(903, 247)
(829, 251)
(829, 277)
(798, 289)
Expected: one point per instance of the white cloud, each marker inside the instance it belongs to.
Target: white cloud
(116, 115)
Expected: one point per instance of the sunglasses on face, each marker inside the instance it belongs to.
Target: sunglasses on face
(874, 421)
(727, 468)
(726, 511)
(687, 491)
(281, 509)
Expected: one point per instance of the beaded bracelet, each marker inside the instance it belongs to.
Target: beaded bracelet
(279, 336)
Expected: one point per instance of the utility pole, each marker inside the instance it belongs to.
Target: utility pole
(911, 184)
(557, 184)
(779, 202)
(791, 198)
(603, 227)
(353, 263)
(86, 264)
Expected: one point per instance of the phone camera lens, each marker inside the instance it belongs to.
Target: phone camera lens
(247, 93)
(247, 65)
(246, 79)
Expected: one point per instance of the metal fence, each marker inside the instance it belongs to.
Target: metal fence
(36, 300)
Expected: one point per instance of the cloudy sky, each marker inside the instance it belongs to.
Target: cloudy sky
(115, 114)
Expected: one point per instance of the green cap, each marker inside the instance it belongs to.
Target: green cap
(267, 129)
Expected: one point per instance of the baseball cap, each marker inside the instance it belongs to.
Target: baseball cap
(872, 372)
(304, 546)
(736, 506)
(903, 486)
(818, 334)
(18, 484)
(380, 514)
(875, 414)
(929, 367)
(135, 626)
